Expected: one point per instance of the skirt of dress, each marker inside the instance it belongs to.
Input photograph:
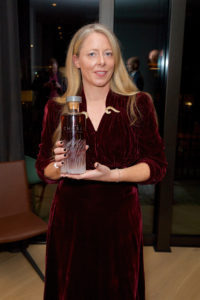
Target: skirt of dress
(94, 243)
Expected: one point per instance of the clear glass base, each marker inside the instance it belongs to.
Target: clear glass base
(75, 163)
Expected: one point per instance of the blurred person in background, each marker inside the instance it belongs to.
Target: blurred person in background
(48, 84)
(133, 64)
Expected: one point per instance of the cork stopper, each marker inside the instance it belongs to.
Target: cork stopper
(74, 99)
(73, 103)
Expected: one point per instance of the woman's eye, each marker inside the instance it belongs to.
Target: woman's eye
(109, 53)
(92, 54)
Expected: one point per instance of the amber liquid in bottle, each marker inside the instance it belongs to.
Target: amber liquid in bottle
(73, 126)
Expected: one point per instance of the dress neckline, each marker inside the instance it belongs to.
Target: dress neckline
(84, 108)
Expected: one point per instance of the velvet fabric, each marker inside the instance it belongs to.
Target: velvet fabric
(94, 243)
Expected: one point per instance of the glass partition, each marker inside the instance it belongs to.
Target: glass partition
(186, 204)
(142, 29)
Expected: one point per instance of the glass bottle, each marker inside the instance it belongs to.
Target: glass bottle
(73, 127)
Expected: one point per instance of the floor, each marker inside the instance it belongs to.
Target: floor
(169, 276)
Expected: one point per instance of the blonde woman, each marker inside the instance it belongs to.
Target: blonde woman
(94, 243)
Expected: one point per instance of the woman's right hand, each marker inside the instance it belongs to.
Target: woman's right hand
(52, 171)
(60, 153)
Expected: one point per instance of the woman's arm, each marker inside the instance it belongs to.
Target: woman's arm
(150, 144)
(137, 173)
(45, 159)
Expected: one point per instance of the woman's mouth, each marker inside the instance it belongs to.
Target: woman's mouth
(100, 73)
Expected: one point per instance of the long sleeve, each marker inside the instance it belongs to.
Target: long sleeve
(150, 144)
(50, 122)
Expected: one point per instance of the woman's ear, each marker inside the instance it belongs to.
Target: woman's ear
(76, 61)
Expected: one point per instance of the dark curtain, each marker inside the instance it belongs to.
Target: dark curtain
(11, 134)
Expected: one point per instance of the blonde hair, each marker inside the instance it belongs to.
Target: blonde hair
(120, 81)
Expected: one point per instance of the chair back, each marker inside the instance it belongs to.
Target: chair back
(14, 192)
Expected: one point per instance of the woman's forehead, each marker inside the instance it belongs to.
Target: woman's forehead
(96, 39)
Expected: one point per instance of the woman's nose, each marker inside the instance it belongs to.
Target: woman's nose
(101, 59)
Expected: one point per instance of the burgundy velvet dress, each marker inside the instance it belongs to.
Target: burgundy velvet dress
(94, 241)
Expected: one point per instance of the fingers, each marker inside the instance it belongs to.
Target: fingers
(59, 148)
(99, 166)
(61, 157)
(58, 164)
(96, 165)
(72, 176)
(59, 144)
(60, 152)
(89, 174)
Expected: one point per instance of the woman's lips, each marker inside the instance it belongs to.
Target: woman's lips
(100, 73)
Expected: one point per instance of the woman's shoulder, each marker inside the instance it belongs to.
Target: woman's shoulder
(118, 100)
(52, 111)
(143, 97)
(144, 101)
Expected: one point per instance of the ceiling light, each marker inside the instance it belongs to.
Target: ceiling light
(53, 4)
(188, 103)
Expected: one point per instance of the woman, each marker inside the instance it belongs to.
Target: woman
(94, 243)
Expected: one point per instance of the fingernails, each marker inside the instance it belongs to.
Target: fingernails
(62, 162)
(64, 149)
(61, 142)
(65, 154)
(96, 165)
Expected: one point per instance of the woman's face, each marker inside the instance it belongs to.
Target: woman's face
(95, 60)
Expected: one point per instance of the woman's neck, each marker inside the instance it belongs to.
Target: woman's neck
(95, 94)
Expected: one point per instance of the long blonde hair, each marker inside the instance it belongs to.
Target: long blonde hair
(120, 81)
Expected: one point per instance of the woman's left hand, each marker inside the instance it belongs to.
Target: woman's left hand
(100, 173)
